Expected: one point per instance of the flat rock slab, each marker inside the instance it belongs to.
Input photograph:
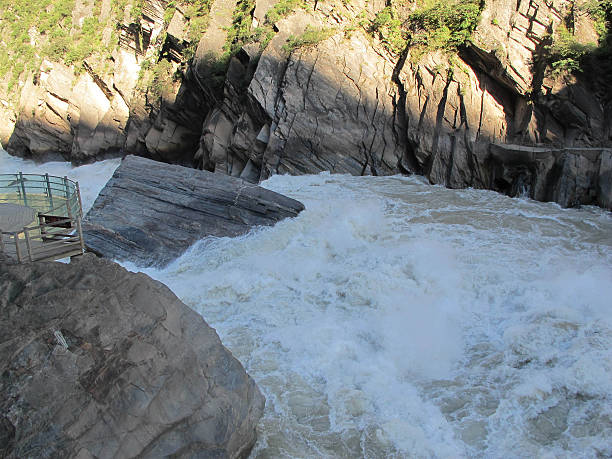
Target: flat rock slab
(151, 212)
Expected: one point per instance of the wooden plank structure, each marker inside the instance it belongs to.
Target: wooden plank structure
(40, 217)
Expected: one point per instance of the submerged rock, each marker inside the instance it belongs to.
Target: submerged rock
(150, 212)
(101, 362)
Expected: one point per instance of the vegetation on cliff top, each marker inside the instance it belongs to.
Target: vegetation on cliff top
(444, 24)
(282, 9)
(569, 53)
(240, 31)
(433, 25)
(197, 13)
(33, 29)
(62, 31)
(311, 36)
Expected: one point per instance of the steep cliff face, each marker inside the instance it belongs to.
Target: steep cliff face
(348, 104)
(362, 88)
(131, 95)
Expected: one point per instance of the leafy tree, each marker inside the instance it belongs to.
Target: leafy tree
(444, 24)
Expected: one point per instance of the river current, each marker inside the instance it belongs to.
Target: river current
(393, 318)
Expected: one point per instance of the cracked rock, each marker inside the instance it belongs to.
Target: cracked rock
(151, 212)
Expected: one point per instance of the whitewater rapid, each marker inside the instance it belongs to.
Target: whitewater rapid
(393, 318)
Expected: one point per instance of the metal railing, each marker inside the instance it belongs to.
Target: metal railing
(57, 232)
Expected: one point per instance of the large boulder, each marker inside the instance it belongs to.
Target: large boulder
(151, 212)
(100, 362)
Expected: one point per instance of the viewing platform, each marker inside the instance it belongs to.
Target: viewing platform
(40, 217)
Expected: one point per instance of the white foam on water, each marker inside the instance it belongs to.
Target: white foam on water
(91, 177)
(395, 318)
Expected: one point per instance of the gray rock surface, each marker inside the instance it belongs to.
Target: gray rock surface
(77, 117)
(568, 176)
(150, 212)
(347, 105)
(105, 110)
(100, 362)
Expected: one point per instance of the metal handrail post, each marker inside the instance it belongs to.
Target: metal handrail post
(25, 198)
(80, 233)
(49, 193)
(18, 189)
(78, 189)
(67, 197)
(28, 244)
(17, 248)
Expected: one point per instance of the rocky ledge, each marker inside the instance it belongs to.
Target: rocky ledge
(150, 212)
(100, 362)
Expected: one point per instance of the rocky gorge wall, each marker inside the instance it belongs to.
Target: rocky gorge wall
(114, 104)
(286, 87)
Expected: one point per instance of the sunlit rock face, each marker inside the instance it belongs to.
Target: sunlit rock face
(77, 117)
(106, 105)
(100, 362)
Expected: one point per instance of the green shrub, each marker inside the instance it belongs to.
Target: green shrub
(163, 77)
(310, 37)
(58, 46)
(197, 13)
(566, 53)
(136, 12)
(263, 35)
(435, 24)
(389, 30)
(444, 24)
(240, 31)
(170, 9)
(600, 11)
(5, 64)
(282, 9)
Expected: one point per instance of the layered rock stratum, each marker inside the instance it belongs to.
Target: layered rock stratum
(291, 87)
(100, 362)
(150, 212)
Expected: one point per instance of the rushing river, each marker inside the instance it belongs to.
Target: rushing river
(393, 318)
